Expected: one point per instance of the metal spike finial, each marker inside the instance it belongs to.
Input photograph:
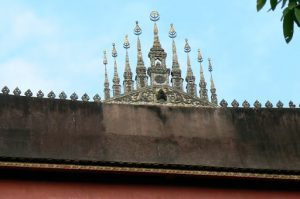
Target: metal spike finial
(172, 32)
(126, 43)
(200, 58)
(187, 47)
(114, 52)
(210, 69)
(104, 58)
(137, 30)
(154, 16)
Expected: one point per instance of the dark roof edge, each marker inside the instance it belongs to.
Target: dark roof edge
(147, 168)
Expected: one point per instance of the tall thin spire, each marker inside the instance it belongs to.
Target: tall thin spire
(116, 79)
(214, 98)
(141, 77)
(202, 84)
(154, 16)
(176, 71)
(158, 71)
(106, 82)
(190, 78)
(127, 83)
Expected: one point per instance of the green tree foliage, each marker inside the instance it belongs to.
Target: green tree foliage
(290, 15)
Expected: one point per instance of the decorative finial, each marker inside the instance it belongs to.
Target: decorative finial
(114, 51)
(126, 43)
(137, 30)
(200, 59)
(104, 58)
(172, 32)
(209, 65)
(187, 47)
(154, 16)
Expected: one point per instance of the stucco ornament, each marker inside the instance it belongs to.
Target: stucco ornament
(74, 97)
(85, 97)
(40, 94)
(28, 93)
(51, 95)
(17, 92)
(62, 95)
(5, 90)
(97, 98)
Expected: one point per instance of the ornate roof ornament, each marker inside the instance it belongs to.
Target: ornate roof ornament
(5, 90)
(176, 79)
(40, 94)
(137, 30)
(141, 76)
(116, 79)
(17, 92)
(159, 75)
(269, 104)
(214, 98)
(154, 16)
(106, 82)
(97, 98)
(127, 83)
(28, 93)
(246, 104)
(74, 97)
(279, 104)
(190, 78)
(257, 104)
(202, 84)
(62, 95)
(223, 103)
(235, 104)
(292, 105)
(51, 95)
(85, 97)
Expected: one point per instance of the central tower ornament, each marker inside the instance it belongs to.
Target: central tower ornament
(154, 16)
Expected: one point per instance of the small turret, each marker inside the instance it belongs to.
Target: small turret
(213, 90)
(106, 82)
(158, 71)
(116, 79)
(127, 83)
(141, 77)
(190, 78)
(202, 84)
(176, 79)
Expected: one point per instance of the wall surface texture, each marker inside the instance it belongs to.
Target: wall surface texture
(238, 138)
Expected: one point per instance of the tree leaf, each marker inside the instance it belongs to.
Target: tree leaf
(273, 4)
(260, 4)
(297, 16)
(283, 3)
(288, 26)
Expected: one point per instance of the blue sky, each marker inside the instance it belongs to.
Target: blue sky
(57, 45)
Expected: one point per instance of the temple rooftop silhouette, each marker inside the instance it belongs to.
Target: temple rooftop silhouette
(151, 130)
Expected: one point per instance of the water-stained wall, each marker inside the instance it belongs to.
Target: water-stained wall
(222, 137)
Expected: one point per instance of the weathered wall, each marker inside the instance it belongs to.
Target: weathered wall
(243, 138)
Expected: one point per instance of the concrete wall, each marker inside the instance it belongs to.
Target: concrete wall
(59, 129)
